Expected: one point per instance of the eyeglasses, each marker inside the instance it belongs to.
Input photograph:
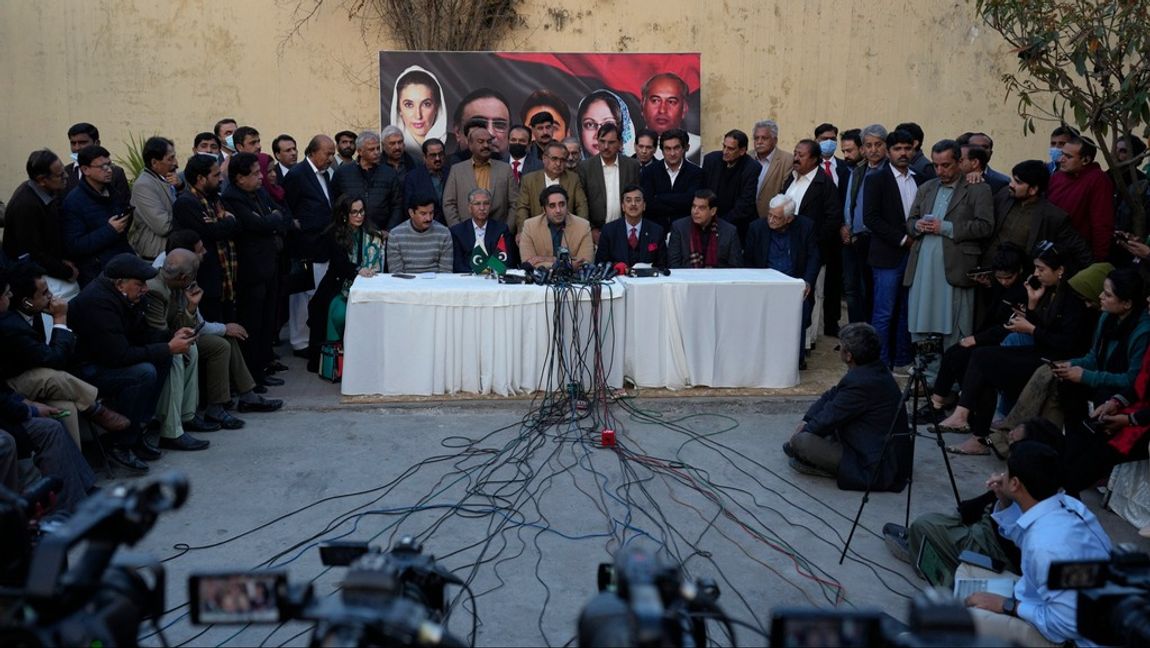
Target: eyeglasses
(592, 125)
(357, 212)
(107, 166)
(497, 125)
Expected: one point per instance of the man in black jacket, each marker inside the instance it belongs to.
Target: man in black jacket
(733, 176)
(817, 199)
(199, 209)
(842, 436)
(121, 355)
(378, 184)
(32, 222)
(670, 185)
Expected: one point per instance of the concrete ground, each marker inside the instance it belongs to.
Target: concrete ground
(528, 516)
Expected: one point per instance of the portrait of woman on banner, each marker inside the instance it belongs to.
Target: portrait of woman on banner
(598, 108)
(417, 108)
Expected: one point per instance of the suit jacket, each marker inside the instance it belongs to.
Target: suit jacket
(463, 240)
(884, 216)
(532, 184)
(667, 202)
(120, 189)
(736, 200)
(679, 247)
(152, 197)
(591, 174)
(24, 348)
(804, 250)
(781, 166)
(971, 215)
(1047, 223)
(614, 248)
(460, 182)
(34, 228)
(821, 205)
(858, 412)
(189, 213)
(308, 204)
(165, 311)
(260, 235)
(529, 163)
(380, 188)
(535, 238)
(418, 183)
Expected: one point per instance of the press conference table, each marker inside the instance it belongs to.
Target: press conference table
(458, 333)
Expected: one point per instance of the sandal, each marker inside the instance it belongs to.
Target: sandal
(959, 450)
(964, 429)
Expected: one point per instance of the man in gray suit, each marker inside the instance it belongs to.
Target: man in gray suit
(479, 172)
(949, 222)
(603, 178)
(703, 240)
(153, 193)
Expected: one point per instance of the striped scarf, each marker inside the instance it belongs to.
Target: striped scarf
(226, 250)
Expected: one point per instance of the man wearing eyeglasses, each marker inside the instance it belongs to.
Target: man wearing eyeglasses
(482, 172)
(554, 172)
(81, 136)
(490, 107)
(32, 223)
(95, 219)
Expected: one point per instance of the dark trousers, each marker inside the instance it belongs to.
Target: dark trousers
(257, 314)
(952, 368)
(1088, 457)
(832, 255)
(994, 369)
(57, 455)
(133, 391)
(858, 285)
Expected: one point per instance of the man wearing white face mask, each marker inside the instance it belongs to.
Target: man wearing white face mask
(224, 130)
(83, 135)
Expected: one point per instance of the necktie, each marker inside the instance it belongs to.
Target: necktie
(633, 239)
(827, 166)
(515, 169)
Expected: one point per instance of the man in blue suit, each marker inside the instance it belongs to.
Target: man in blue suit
(669, 186)
(788, 244)
(309, 198)
(632, 239)
(497, 239)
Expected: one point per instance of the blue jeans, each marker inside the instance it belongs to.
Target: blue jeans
(889, 319)
(133, 391)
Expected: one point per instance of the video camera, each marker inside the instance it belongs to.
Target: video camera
(645, 602)
(928, 347)
(1113, 595)
(98, 600)
(393, 598)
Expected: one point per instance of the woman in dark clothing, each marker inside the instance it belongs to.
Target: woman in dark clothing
(261, 230)
(355, 248)
(1008, 288)
(1058, 321)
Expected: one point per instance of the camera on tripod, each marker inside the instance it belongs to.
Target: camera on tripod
(927, 348)
(95, 600)
(393, 598)
(1113, 595)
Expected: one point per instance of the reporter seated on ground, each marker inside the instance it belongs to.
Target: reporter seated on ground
(223, 369)
(970, 527)
(419, 244)
(1047, 526)
(843, 434)
(1007, 288)
(354, 248)
(1058, 321)
(30, 426)
(35, 365)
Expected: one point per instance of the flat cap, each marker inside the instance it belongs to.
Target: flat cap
(129, 266)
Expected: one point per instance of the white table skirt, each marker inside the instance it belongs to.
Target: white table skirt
(455, 333)
(718, 328)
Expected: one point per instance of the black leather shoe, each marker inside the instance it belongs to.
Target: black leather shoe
(272, 381)
(124, 458)
(145, 450)
(261, 405)
(184, 442)
(226, 421)
(275, 367)
(198, 424)
(259, 389)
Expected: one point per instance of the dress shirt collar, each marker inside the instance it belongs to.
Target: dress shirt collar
(476, 163)
(44, 196)
(909, 172)
(614, 164)
(314, 170)
(770, 156)
(674, 171)
(808, 176)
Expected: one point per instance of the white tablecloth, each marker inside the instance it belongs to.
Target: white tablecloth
(455, 333)
(718, 328)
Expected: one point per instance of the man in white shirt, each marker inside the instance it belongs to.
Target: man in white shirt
(604, 175)
(775, 164)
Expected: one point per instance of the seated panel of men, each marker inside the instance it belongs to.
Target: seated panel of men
(496, 236)
(703, 240)
(419, 244)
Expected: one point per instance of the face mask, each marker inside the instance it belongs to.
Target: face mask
(76, 158)
(517, 150)
(230, 142)
(1055, 154)
(828, 147)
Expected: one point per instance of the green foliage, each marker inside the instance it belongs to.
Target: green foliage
(1087, 58)
(133, 161)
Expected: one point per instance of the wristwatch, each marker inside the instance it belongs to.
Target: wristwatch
(1010, 607)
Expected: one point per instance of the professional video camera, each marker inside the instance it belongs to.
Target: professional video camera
(20, 525)
(644, 602)
(97, 600)
(1113, 596)
(387, 599)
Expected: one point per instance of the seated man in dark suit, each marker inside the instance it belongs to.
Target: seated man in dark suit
(787, 244)
(429, 178)
(95, 218)
(704, 240)
(842, 436)
(632, 239)
(495, 236)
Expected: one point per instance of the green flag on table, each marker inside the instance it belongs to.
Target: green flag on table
(482, 262)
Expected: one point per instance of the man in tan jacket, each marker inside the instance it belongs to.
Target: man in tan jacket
(776, 164)
(542, 235)
(554, 172)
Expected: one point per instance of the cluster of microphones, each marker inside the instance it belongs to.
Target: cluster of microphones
(564, 272)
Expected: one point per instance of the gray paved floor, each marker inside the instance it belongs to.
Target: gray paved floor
(778, 547)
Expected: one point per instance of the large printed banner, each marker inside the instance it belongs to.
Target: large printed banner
(432, 94)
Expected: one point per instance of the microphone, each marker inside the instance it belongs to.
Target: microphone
(621, 268)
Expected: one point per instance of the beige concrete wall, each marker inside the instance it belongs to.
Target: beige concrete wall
(174, 67)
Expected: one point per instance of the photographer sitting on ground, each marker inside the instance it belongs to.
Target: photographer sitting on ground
(843, 434)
